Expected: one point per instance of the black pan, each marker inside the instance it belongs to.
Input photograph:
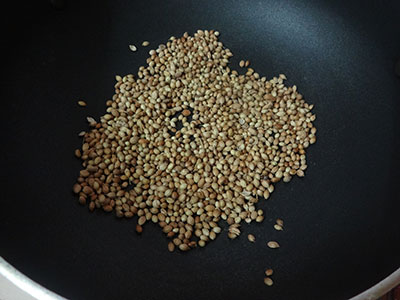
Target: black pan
(342, 221)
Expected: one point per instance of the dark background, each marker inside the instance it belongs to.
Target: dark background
(342, 221)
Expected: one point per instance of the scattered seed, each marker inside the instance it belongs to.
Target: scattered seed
(259, 219)
(273, 244)
(241, 63)
(233, 231)
(82, 133)
(251, 238)
(269, 272)
(139, 229)
(81, 103)
(171, 246)
(78, 153)
(280, 222)
(133, 48)
(145, 43)
(278, 227)
(91, 121)
(76, 188)
(268, 281)
(247, 63)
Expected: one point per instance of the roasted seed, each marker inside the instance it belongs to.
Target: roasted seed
(269, 272)
(77, 188)
(171, 247)
(186, 112)
(190, 142)
(78, 153)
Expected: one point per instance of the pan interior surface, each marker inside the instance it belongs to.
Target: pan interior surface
(342, 223)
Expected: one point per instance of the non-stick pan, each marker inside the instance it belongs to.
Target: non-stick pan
(342, 220)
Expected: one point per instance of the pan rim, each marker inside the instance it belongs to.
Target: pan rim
(25, 284)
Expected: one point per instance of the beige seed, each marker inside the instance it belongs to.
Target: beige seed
(145, 43)
(278, 227)
(183, 247)
(142, 220)
(273, 244)
(241, 63)
(133, 48)
(259, 219)
(81, 103)
(251, 238)
(280, 222)
(91, 121)
(268, 281)
(247, 63)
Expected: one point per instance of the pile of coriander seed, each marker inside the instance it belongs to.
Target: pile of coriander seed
(190, 142)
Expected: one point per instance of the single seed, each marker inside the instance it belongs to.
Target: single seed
(241, 63)
(171, 246)
(186, 112)
(81, 103)
(145, 43)
(251, 238)
(273, 244)
(78, 153)
(183, 247)
(269, 272)
(77, 188)
(278, 227)
(91, 121)
(268, 281)
(139, 229)
(280, 222)
(133, 48)
(259, 219)
(142, 220)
